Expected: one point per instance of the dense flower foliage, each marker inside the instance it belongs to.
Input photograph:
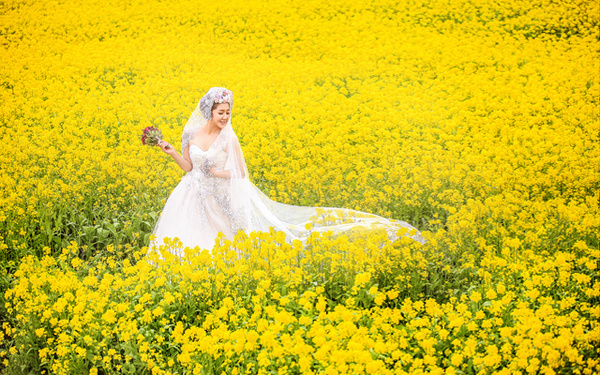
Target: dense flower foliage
(476, 121)
(258, 304)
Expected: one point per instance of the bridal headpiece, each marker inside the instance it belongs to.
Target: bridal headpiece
(215, 95)
(203, 112)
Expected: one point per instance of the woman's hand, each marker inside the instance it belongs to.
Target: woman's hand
(166, 147)
(220, 174)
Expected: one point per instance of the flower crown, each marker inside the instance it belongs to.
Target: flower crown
(223, 97)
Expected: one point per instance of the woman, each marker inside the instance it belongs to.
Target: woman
(217, 196)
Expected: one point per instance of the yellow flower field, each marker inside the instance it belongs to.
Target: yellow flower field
(476, 121)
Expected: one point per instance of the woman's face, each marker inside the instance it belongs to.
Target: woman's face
(220, 114)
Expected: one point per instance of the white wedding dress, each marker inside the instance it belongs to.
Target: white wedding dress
(202, 206)
(199, 207)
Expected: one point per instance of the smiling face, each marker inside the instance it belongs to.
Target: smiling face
(220, 114)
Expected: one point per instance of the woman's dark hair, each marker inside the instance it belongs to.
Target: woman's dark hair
(215, 104)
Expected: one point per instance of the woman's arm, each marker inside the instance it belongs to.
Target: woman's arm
(184, 162)
(220, 174)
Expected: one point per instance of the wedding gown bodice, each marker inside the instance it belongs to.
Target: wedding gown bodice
(202, 160)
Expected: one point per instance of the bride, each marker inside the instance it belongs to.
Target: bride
(216, 194)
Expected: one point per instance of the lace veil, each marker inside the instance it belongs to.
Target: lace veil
(251, 210)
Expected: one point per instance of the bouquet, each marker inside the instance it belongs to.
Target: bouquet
(151, 136)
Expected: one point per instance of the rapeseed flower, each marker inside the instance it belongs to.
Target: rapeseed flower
(476, 121)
